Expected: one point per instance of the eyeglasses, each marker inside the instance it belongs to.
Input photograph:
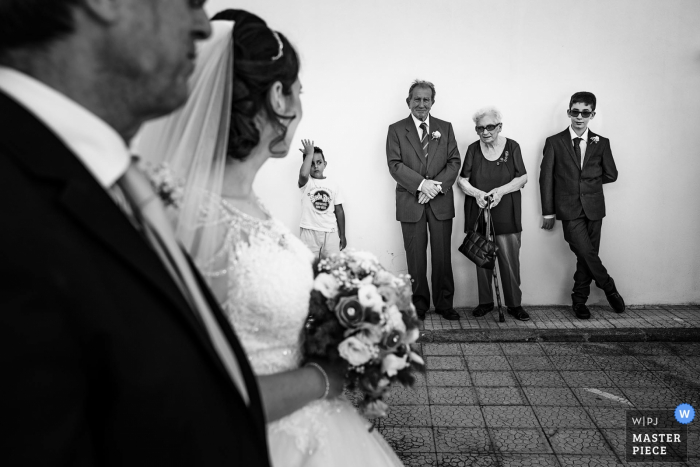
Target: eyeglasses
(584, 114)
(480, 129)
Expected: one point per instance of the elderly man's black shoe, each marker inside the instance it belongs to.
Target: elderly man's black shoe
(482, 309)
(616, 302)
(421, 314)
(450, 314)
(518, 313)
(581, 310)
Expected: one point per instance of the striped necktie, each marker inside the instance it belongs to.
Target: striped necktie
(148, 210)
(424, 139)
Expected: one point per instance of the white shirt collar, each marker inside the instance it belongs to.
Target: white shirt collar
(573, 134)
(96, 144)
(418, 123)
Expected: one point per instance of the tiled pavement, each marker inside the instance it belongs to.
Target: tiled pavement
(539, 403)
(636, 323)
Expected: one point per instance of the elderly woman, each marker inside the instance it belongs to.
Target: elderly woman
(493, 170)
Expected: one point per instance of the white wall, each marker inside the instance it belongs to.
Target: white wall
(640, 57)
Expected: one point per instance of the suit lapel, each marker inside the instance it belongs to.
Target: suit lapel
(35, 148)
(414, 139)
(566, 140)
(591, 147)
(433, 143)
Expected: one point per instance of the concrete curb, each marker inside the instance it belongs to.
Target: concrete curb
(562, 335)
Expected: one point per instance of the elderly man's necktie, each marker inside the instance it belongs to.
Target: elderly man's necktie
(577, 150)
(424, 139)
(148, 210)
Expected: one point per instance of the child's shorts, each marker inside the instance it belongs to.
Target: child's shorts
(320, 243)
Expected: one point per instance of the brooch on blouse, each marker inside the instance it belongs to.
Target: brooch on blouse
(503, 159)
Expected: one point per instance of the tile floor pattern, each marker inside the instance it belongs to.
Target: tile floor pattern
(561, 317)
(537, 404)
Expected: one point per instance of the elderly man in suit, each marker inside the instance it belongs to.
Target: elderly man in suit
(423, 158)
(113, 350)
(576, 164)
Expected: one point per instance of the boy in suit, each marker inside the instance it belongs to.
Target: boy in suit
(576, 164)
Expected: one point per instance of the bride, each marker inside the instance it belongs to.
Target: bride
(244, 109)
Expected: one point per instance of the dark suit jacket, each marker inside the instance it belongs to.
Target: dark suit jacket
(566, 189)
(409, 167)
(103, 361)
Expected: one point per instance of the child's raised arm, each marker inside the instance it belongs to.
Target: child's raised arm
(305, 169)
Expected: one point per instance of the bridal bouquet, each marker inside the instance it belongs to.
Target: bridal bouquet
(363, 313)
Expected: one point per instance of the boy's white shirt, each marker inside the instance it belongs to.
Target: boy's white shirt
(312, 218)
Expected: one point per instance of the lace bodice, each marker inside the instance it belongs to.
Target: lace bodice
(267, 276)
(263, 276)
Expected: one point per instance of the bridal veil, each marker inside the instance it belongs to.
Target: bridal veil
(192, 142)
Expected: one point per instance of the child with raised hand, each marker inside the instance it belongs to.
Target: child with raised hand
(322, 226)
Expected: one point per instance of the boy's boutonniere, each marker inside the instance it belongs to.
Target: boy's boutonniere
(436, 135)
(595, 139)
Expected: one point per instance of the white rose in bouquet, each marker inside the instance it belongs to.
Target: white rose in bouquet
(327, 285)
(355, 351)
(393, 363)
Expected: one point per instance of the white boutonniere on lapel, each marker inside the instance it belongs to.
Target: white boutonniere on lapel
(167, 186)
(595, 139)
(436, 135)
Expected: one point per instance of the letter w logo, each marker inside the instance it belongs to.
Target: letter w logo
(685, 413)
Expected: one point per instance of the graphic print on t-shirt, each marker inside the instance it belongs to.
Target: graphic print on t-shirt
(320, 199)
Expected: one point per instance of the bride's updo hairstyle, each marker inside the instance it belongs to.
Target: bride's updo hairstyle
(261, 57)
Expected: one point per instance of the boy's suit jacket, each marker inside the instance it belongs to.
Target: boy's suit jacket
(568, 190)
(104, 361)
(409, 167)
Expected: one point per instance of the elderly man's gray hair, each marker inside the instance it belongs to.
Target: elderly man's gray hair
(419, 83)
(484, 111)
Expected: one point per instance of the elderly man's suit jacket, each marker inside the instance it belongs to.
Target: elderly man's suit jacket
(409, 167)
(568, 190)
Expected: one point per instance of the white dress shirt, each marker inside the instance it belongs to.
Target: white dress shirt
(96, 144)
(418, 123)
(582, 145)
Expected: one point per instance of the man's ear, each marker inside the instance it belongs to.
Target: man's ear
(278, 100)
(105, 10)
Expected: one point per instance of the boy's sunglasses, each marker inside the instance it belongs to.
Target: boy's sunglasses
(584, 114)
(480, 129)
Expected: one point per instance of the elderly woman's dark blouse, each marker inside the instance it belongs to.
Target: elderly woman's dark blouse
(487, 175)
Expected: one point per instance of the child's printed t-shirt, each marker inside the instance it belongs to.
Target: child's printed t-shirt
(318, 199)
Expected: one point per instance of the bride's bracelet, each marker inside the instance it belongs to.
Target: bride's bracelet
(325, 377)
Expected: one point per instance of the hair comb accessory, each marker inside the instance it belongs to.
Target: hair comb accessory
(280, 52)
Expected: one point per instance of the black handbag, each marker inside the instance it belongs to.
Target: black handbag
(477, 247)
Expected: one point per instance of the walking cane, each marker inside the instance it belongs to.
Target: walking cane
(492, 237)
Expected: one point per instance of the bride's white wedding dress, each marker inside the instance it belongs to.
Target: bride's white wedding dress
(267, 275)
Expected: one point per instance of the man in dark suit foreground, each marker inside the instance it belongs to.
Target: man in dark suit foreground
(112, 354)
(576, 164)
(424, 160)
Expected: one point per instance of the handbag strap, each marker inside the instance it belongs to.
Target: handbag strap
(476, 222)
(490, 229)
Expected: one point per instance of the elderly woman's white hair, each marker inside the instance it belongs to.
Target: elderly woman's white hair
(490, 110)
